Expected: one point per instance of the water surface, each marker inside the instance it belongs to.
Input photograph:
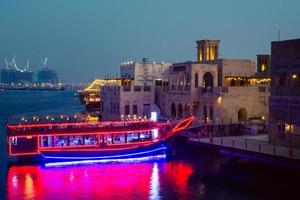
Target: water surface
(188, 173)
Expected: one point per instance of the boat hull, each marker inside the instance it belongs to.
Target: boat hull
(98, 154)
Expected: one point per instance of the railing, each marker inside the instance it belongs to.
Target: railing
(252, 145)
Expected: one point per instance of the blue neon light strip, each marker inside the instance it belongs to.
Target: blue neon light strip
(104, 157)
(80, 162)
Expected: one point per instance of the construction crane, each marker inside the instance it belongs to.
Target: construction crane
(44, 62)
(12, 65)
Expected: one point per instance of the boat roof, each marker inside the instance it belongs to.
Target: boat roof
(67, 125)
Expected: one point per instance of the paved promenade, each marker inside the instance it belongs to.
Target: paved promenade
(254, 144)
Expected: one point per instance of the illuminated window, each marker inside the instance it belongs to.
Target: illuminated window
(212, 53)
(132, 137)
(200, 55)
(207, 53)
(263, 67)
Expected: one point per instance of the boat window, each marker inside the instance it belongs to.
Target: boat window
(145, 135)
(132, 137)
(60, 141)
(14, 141)
(119, 138)
(116, 138)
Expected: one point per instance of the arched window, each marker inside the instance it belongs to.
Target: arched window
(242, 114)
(180, 110)
(208, 80)
(173, 110)
(186, 110)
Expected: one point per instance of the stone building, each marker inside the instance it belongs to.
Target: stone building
(133, 95)
(124, 99)
(214, 90)
(144, 73)
(285, 93)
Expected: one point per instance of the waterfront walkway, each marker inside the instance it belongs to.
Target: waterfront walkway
(250, 143)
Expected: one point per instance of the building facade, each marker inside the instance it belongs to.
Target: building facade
(214, 90)
(144, 73)
(12, 76)
(285, 93)
(124, 99)
(134, 94)
(47, 76)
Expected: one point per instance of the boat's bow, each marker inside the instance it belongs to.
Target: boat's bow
(180, 126)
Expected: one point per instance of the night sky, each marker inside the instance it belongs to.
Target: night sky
(85, 39)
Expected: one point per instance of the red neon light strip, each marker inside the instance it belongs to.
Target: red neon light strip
(183, 124)
(64, 147)
(19, 154)
(143, 142)
(107, 149)
(25, 154)
(77, 124)
(88, 133)
(177, 128)
(180, 126)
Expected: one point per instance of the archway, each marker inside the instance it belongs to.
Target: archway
(180, 110)
(208, 80)
(173, 110)
(195, 108)
(242, 114)
(186, 110)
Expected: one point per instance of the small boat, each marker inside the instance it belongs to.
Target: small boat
(61, 141)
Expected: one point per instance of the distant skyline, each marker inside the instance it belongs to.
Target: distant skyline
(88, 39)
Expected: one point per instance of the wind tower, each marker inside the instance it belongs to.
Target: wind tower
(207, 50)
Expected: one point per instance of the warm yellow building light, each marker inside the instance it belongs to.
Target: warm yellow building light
(200, 55)
(212, 53)
(207, 53)
(288, 128)
(263, 67)
(294, 76)
(219, 100)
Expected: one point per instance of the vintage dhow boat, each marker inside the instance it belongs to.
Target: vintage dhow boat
(90, 140)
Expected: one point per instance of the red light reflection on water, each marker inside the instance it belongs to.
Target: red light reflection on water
(109, 181)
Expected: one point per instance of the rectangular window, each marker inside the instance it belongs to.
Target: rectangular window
(137, 88)
(261, 89)
(127, 110)
(135, 110)
(126, 88)
(147, 88)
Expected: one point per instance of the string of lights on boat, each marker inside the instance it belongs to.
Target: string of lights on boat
(70, 118)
